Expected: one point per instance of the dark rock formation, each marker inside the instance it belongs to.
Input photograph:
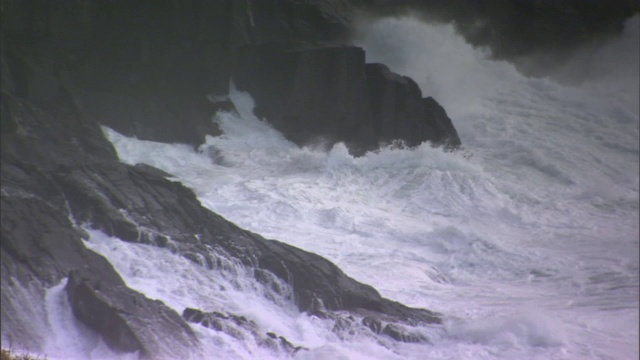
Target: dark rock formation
(440, 129)
(41, 245)
(145, 68)
(394, 331)
(316, 94)
(327, 94)
(399, 334)
(127, 320)
(137, 205)
(400, 113)
(281, 343)
(215, 320)
(537, 36)
(238, 326)
(395, 102)
(58, 166)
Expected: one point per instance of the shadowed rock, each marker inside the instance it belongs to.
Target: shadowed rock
(43, 252)
(313, 95)
(400, 113)
(58, 180)
(60, 172)
(127, 320)
(237, 326)
(327, 94)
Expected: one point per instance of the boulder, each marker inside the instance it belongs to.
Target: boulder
(127, 320)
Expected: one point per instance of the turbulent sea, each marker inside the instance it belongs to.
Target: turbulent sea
(529, 247)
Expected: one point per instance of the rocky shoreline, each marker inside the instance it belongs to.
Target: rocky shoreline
(149, 69)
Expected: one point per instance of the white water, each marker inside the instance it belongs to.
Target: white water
(530, 248)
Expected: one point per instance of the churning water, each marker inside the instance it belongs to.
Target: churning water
(529, 247)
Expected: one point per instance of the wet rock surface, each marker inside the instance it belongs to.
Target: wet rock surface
(60, 173)
(240, 327)
(59, 185)
(127, 320)
(320, 95)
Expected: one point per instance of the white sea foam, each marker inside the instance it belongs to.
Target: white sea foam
(530, 247)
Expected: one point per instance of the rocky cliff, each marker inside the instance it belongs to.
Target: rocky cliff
(146, 69)
(323, 94)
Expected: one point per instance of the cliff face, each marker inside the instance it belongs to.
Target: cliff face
(145, 69)
(328, 94)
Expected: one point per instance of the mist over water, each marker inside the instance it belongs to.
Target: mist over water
(529, 247)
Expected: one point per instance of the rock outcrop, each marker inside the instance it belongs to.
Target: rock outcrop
(127, 320)
(320, 95)
(399, 111)
(146, 69)
(59, 171)
(40, 247)
(239, 327)
(316, 94)
(66, 71)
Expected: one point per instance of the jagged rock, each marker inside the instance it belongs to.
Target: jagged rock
(39, 246)
(212, 319)
(234, 325)
(400, 113)
(231, 324)
(343, 323)
(372, 323)
(128, 202)
(156, 116)
(327, 94)
(59, 171)
(153, 170)
(318, 309)
(144, 68)
(397, 333)
(395, 106)
(127, 320)
(283, 344)
(394, 331)
(43, 252)
(313, 95)
(155, 85)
